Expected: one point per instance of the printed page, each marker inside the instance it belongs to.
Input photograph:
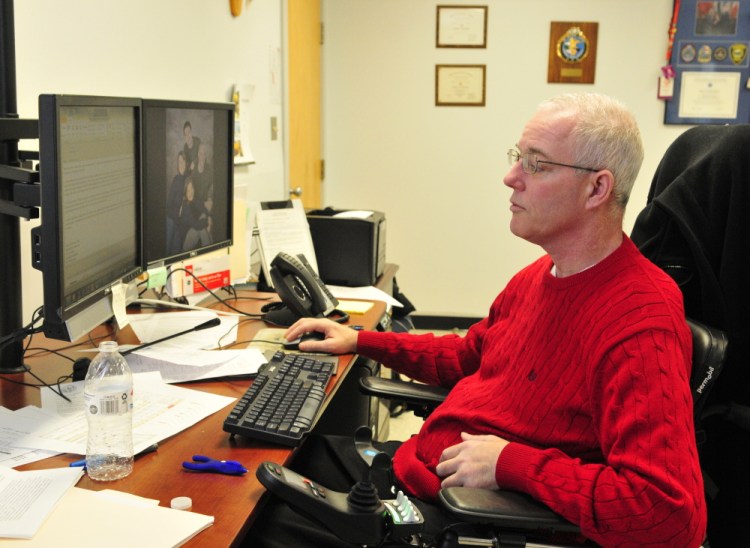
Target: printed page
(27, 498)
(284, 230)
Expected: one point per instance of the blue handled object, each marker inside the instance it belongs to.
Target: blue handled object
(205, 464)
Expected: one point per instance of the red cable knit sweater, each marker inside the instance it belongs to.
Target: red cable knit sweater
(587, 377)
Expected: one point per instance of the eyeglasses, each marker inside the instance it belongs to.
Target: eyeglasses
(530, 163)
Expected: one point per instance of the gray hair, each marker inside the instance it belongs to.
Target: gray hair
(606, 136)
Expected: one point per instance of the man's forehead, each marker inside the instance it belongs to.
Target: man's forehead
(546, 131)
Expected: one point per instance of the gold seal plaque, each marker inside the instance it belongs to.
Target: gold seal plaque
(572, 52)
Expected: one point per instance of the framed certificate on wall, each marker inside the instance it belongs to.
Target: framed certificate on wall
(461, 27)
(460, 85)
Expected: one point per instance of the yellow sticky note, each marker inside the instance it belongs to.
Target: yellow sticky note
(354, 307)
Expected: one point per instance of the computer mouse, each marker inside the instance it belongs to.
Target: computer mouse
(80, 368)
(309, 336)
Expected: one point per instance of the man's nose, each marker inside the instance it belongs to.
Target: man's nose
(514, 177)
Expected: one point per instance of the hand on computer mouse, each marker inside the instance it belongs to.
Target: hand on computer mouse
(334, 337)
(309, 336)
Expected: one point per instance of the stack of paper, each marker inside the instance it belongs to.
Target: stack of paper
(94, 519)
(44, 507)
(27, 498)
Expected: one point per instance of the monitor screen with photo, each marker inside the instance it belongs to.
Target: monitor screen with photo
(187, 179)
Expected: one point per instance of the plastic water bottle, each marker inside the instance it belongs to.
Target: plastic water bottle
(108, 397)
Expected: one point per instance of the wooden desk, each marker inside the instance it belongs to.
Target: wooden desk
(159, 475)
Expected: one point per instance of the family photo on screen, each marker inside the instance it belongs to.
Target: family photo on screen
(190, 192)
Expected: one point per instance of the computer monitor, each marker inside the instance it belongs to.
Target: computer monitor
(89, 240)
(188, 181)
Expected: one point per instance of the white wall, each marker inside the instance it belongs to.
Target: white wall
(174, 49)
(437, 171)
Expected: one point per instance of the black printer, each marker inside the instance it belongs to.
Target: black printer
(349, 245)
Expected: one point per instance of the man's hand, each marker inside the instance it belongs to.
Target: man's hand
(339, 339)
(472, 462)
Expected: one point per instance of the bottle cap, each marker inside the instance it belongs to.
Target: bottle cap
(182, 503)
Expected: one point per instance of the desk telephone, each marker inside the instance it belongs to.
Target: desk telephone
(301, 290)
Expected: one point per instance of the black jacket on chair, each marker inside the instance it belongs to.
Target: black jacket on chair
(696, 226)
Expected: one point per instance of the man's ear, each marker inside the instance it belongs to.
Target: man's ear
(601, 187)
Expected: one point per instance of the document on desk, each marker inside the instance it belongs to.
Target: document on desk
(160, 410)
(27, 498)
(152, 327)
(10, 455)
(157, 525)
(194, 365)
(371, 293)
(284, 229)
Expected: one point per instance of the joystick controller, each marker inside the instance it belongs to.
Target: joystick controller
(359, 517)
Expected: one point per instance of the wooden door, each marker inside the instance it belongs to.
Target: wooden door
(305, 165)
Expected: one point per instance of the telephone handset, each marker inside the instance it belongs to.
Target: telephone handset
(300, 288)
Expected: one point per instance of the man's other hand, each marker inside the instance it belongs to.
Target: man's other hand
(472, 462)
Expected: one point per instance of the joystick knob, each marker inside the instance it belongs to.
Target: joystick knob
(363, 497)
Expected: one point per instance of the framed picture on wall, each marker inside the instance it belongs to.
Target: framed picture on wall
(572, 52)
(461, 27)
(460, 85)
(709, 63)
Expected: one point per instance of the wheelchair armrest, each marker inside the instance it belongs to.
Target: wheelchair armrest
(709, 353)
(503, 508)
(422, 398)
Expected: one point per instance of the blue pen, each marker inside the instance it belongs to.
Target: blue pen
(81, 462)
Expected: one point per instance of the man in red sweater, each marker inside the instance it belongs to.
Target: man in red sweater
(575, 387)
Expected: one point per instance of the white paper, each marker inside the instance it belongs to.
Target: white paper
(354, 214)
(27, 498)
(152, 327)
(122, 497)
(119, 304)
(10, 431)
(136, 524)
(371, 293)
(53, 432)
(284, 230)
(192, 365)
(160, 410)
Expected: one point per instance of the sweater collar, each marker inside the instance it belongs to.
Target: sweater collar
(626, 248)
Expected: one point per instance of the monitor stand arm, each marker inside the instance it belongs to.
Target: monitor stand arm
(11, 207)
(19, 198)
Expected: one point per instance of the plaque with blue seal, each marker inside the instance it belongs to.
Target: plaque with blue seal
(572, 56)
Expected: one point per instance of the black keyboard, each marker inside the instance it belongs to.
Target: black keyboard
(283, 402)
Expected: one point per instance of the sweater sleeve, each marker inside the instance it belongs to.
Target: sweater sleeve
(426, 358)
(441, 361)
(647, 490)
